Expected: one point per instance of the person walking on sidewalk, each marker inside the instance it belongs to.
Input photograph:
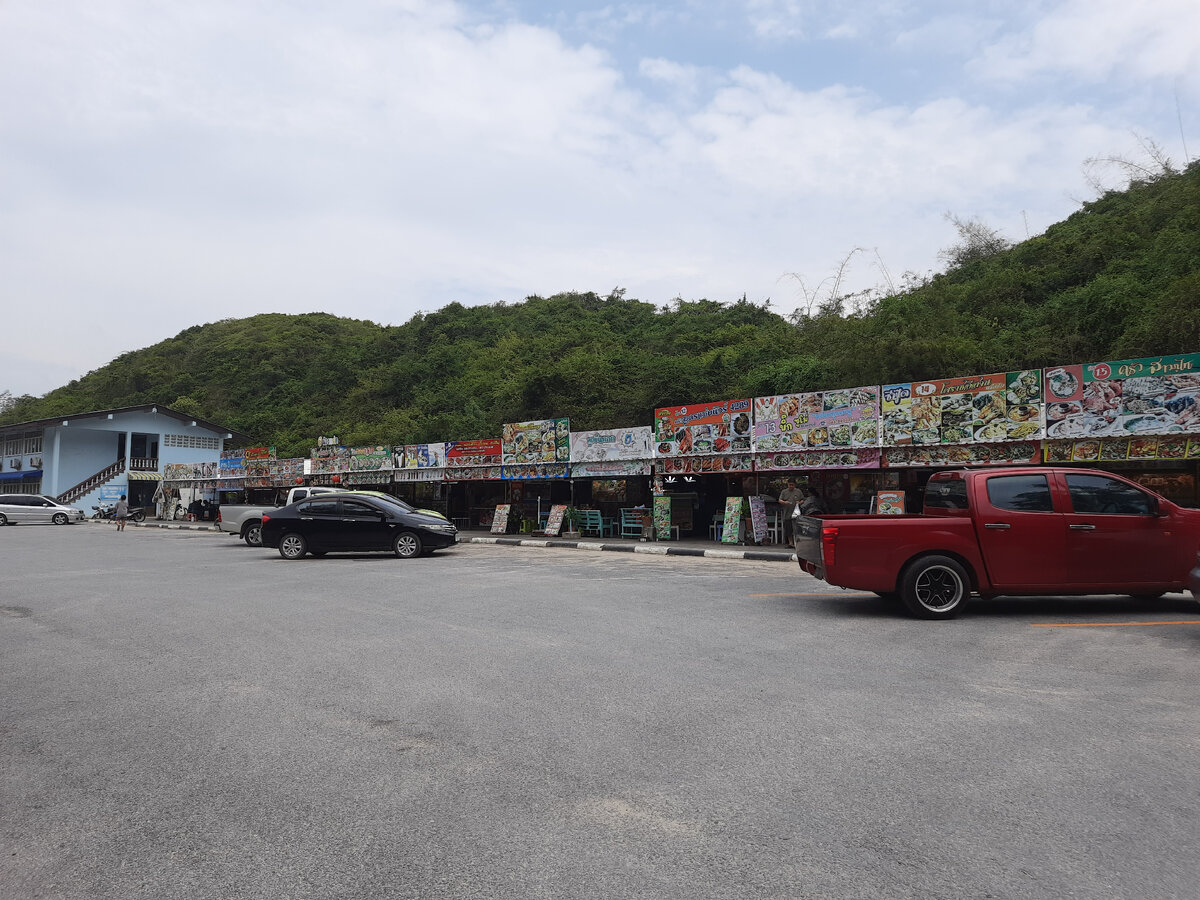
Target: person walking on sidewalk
(788, 498)
(121, 512)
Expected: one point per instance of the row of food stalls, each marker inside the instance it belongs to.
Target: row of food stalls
(1140, 417)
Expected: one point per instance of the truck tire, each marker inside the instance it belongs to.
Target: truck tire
(253, 534)
(935, 587)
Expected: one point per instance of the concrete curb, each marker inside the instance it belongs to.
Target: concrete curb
(653, 549)
(650, 548)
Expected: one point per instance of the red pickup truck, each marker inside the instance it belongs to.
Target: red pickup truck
(1020, 531)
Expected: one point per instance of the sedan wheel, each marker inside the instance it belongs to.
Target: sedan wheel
(60, 519)
(407, 545)
(292, 546)
(3, 520)
(253, 535)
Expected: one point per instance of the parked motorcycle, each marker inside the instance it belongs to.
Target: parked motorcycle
(105, 511)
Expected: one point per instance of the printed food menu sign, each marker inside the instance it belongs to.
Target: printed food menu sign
(981, 409)
(1125, 398)
(817, 421)
(703, 428)
(543, 441)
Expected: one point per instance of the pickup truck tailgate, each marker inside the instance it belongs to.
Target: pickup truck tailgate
(807, 533)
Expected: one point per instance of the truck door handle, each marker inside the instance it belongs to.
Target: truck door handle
(1082, 527)
(1004, 526)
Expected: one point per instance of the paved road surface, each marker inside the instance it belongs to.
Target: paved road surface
(184, 717)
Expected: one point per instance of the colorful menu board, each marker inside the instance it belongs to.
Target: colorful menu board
(1125, 398)
(703, 428)
(662, 518)
(325, 459)
(889, 503)
(543, 441)
(500, 519)
(258, 462)
(554, 520)
(731, 531)
(1173, 446)
(191, 471)
(758, 518)
(817, 421)
(979, 409)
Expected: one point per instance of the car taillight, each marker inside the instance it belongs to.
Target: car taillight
(828, 541)
(218, 515)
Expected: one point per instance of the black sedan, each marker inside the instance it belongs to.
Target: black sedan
(353, 521)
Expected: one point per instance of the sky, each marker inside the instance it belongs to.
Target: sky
(164, 165)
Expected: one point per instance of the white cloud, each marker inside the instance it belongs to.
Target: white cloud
(171, 165)
(1096, 39)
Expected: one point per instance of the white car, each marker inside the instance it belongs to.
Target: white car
(30, 508)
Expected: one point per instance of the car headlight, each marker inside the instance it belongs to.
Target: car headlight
(448, 528)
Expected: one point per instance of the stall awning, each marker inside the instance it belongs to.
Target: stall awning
(144, 476)
(17, 476)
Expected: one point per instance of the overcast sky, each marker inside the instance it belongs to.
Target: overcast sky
(169, 164)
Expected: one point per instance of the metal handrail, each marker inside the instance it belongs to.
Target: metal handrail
(104, 475)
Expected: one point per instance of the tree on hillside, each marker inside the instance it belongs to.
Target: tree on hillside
(976, 241)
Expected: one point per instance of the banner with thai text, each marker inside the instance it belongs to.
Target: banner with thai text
(979, 409)
(1124, 398)
(819, 420)
(720, 427)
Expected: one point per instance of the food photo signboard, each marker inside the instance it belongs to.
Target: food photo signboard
(822, 420)
(477, 460)
(722, 427)
(1006, 406)
(861, 458)
(1124, 398)
(419, 462)
(1012, 453)
(1167, 447)
(612, 452)
(542, 441)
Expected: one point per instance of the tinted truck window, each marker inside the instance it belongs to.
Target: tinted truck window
(1107, 496)
(946, 493)
(1020, 493)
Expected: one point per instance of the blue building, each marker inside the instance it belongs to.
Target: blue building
(83, 458)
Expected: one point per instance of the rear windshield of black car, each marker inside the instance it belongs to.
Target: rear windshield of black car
(946, 493)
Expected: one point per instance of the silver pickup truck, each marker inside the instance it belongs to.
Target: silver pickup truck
(246, 521)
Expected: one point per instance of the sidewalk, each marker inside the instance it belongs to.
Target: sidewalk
(684, 547)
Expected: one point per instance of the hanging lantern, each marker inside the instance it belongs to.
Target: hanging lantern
(299, 480)
(336, 479)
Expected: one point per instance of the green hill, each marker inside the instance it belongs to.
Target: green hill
(1118, 279)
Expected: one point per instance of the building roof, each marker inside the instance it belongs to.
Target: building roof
(235, 436)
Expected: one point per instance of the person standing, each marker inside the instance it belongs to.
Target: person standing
(788, 498)
(121, 513)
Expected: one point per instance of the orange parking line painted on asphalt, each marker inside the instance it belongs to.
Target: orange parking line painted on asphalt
(812, 595)
(1109, 624)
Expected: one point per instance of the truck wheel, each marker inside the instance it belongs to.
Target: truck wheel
(935, 587)
(293, 546)
(407, 545)
(253, 535)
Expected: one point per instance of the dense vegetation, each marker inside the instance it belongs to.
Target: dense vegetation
(1119, 279)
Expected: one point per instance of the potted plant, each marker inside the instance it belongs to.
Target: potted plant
(571, 521)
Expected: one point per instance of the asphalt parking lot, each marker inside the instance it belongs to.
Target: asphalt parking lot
(184, 716)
